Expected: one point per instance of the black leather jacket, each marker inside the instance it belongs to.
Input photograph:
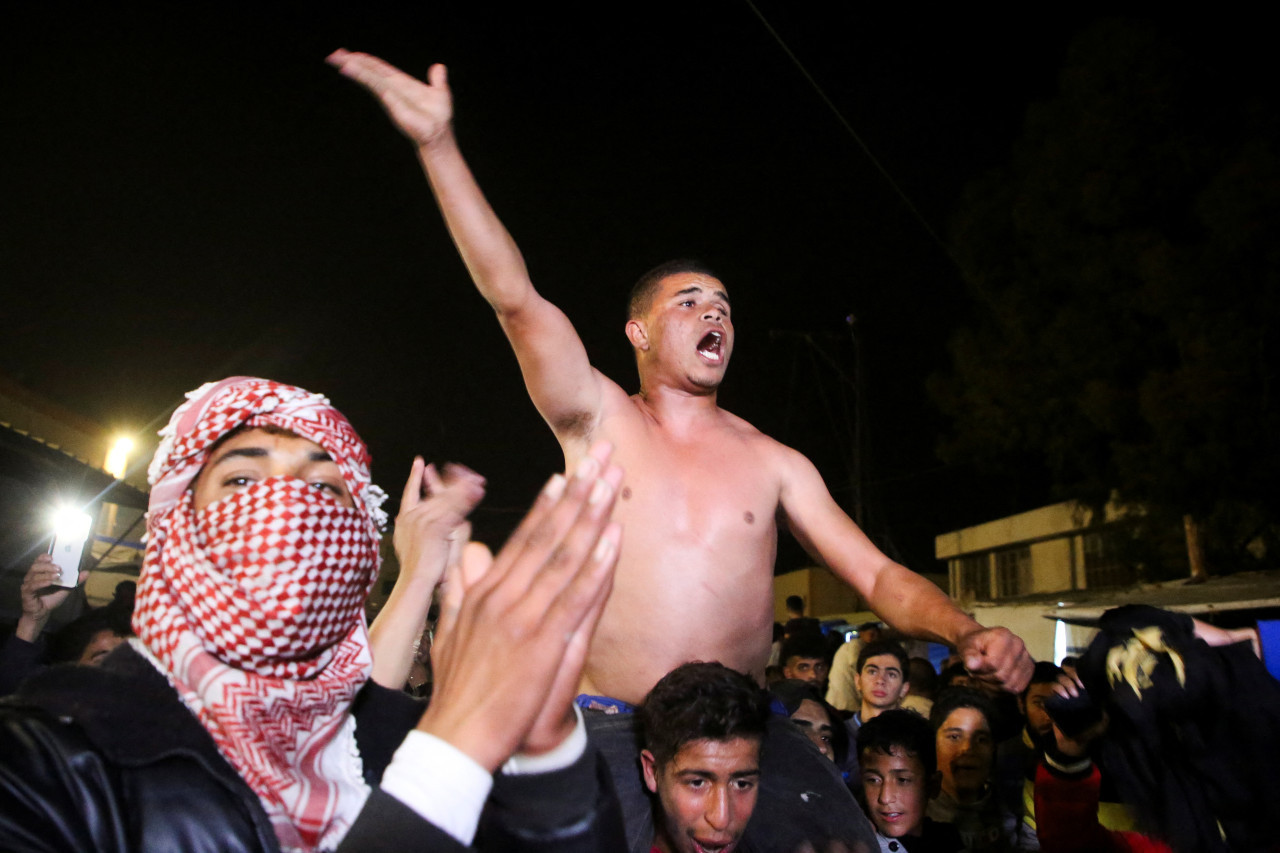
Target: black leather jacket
(109, 759)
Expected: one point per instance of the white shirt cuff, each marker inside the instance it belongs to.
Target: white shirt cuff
(569, 751)
(439, 782)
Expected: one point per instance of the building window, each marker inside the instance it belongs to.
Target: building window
(975, 577)
(1013, 571)
(1103, 565)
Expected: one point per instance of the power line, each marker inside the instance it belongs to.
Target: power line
(924, 223)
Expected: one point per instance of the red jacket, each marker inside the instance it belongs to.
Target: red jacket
(1067, 817)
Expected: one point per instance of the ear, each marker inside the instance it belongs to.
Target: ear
(650, 767)
(906, 688)
(638, 334)
(1022, 706)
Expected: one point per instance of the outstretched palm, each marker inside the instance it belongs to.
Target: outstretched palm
(421, 110)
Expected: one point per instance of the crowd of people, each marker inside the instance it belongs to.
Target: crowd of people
(588, 692)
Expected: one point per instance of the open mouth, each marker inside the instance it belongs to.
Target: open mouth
(708, 847)
(711, 347)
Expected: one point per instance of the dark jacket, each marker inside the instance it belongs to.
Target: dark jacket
(109, 759)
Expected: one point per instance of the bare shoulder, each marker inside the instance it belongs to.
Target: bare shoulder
(765, 449)
(760, 442)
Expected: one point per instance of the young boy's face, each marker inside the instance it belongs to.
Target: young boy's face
(896, 789)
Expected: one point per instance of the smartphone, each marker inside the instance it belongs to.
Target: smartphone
(70, 535)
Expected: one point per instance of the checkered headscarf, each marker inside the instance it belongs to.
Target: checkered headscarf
(253, 606)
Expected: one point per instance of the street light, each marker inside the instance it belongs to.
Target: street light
(117, 464)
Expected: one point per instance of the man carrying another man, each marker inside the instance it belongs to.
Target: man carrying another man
(704, 488)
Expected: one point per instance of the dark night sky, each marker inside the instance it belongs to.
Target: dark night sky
(189, 192)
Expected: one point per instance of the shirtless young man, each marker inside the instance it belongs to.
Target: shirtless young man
(703, 487)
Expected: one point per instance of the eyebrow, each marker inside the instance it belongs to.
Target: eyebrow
(698, 289)
(711, 774)
(810, 724)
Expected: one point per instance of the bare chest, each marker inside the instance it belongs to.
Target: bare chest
(717, 489)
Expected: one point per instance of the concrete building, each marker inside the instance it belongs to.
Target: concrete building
(1050, 549)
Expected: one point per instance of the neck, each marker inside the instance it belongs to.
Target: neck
(674, 405)
(965, 796)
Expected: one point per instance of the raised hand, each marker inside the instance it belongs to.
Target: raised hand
(513, 630)
(432, 526)
(38, 605)
(422, 111)
(431, 529)
(997, 656)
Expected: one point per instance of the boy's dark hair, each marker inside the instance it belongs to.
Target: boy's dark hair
(901, 729)
(1044, 673)
(792, 692)
(952, 698)
(883, 647)
(642, 292)
(923, 678)
(796, 603)
(806, 644)
(72, 639)
(701, 701)
(949, 674)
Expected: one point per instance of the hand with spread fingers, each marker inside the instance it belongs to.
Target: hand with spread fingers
(514, 629)
(997, 656)
(430, 532)
(37, 603)
(422, 111)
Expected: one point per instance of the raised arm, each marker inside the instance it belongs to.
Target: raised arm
(557, 373)
(430, 531)
(904, 599)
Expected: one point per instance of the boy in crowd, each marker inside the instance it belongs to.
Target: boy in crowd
(804, 658)
(896, 753)
(962, 723)
(820, 722)
(703, 725)
(842, 689)
(882, 680)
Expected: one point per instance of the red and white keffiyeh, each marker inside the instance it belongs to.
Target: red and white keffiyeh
(253, 606)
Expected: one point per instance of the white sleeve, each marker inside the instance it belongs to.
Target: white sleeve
(569, 751)
(439, 782)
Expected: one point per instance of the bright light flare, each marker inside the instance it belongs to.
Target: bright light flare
(117, 464)
(70, 523)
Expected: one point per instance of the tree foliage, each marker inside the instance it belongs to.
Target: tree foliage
(1123, 268)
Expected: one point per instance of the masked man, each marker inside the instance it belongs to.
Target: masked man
(242, 717)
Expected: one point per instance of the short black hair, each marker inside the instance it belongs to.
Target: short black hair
(900, 729)
(884, 647)
(792, 692)
(642, 292)
(923, 678)
(701, 701)
(806, 644)
(953, 698)
(949, 674)
(795, 602)
(70, 641)
(1044, 673)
